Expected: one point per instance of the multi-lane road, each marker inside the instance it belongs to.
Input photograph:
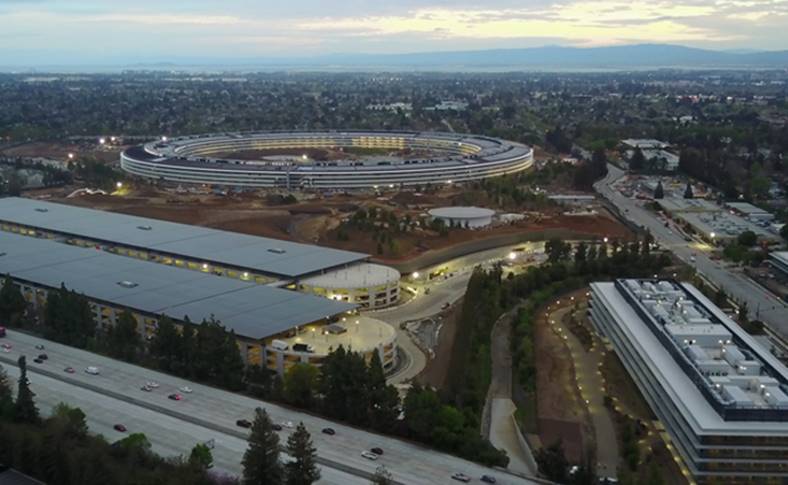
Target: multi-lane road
(173, 427)
(770, 309)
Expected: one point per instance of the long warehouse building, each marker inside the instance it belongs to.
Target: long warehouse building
(240, 256)
(721, 397)
(269, 322)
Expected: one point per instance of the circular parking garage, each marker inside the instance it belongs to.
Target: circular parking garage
(368, 285)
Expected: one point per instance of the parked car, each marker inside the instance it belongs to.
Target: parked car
(244, 423)
(175, 397)
(461, 477)
(92, 370)
(120, 427)
(329, 431)
(369, 455)
(376, 450)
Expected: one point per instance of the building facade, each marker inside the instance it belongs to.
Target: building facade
(721, 397)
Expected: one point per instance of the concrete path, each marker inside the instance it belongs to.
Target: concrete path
(498, 422)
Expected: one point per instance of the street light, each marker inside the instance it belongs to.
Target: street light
(102, 141)
(164, 138)
(512, 255)
(713, 235)
(119, 185)
(415, 275)
(605, 240)
(71, 156)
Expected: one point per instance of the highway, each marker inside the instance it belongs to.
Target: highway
(770, 309)
(173, 427)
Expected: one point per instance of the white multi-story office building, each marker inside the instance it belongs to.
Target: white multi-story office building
(722, 398)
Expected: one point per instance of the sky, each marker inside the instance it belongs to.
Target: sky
(63, 32)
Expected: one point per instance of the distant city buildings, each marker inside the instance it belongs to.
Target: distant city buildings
(722, 398)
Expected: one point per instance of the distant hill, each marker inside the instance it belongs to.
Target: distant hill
(616, 57)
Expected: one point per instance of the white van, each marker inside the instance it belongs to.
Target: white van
(92, 370)
(279, 345)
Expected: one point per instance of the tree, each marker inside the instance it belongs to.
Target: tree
(261, 464)
(300, 384)
(12, 303)
(165, 345)
(68, 318)
(302, 469)
(552, 462)
(71, 419)
(123, 339)
(784, 232)
(659, 192)
(25, 410)
(556, 250)
(201, 456)
(382, 476)
(747, 238)
(638, 160)
(6, 396)
(688, 191)
(384, 403)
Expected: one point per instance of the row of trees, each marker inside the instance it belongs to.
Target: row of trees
(59, 450)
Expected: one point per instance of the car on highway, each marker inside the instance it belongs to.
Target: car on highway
(119, 427)
(376, 450)
(39, 347)
(146, 388)
(369, 455)
(152, 384)
(6, 347)
(38, 360)
(69, 370)
(92, 370)
(488, 479)
(461, 477)
(186, 389)
(276, 427)
(43, 356)
(243, 423)
(287, 424)
(175, 397)
(329, 431)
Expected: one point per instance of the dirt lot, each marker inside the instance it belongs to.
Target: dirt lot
(60, 151)
(436, 372)
(561, 414)
(315, 218)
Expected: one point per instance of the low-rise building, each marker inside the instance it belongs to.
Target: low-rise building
(721, 397)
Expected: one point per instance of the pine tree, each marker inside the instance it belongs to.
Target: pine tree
(6, 396)
(123, 340)
(384, 403)
(659, 192)
(688, 191)
(261, 461)
(302, 470)
(12, 303)
(164, 345)
(25, 410)
(201, 456)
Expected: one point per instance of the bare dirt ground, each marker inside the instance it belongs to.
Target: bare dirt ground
(60, 151)
(436, 373)
(561, 414)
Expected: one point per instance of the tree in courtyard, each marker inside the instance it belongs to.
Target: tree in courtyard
(201, 456)
(261, 464)
(688, 191)
(12, 303)
(382, 476)
(302, 469)
(659, 192)
(25, 410)
(553, 463)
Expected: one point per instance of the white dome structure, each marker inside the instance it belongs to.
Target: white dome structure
(470, 217)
